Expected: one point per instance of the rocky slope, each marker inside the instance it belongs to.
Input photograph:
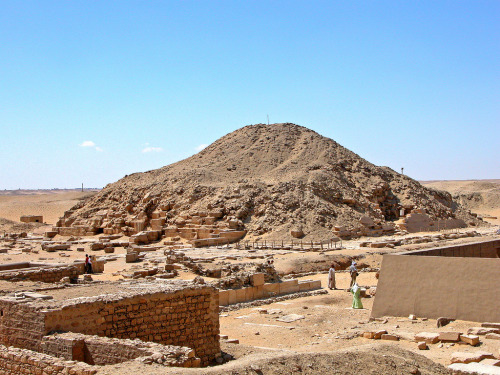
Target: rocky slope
(266, 180)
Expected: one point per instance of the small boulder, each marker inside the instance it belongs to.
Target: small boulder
(422, 345)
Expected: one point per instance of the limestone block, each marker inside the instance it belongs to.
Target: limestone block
(422, 345)
(378, 334)
(153, 235)
(271, 289)
(493, 336)
(249, 293)
(231, 296)
(428, 337)
(470, 339)
(466, 357)
(491, 325)
(157, 224)
(304, 286)
(258, 291)
(240, 295)
(449, 336)
(315, 284)
(50, 233)
(474, 368)
(131, 257)
(289, 286)
(223, 297)
(481, 331)
(491, 362)
(171, 231)
(216, 214)
(257, 279)
(141, 237)
(209, 220)
(369, 335)
(367, 221)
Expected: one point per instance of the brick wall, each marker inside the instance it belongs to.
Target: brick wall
(20, 325)
(95, 350)
(15, 361)
(44, 274)
(179, 315)
(187, 317)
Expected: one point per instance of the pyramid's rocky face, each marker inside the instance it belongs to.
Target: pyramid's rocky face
(261, 180)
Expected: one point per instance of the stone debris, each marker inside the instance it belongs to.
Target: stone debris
(491, 362)
(481, 331)
(449, 336)
(422, 345)
(443, 321)
(467, 357)
(470, 339)
(290, 318)
(218, 196)
(428, 337)
(474, 368)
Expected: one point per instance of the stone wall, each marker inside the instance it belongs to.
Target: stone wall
(186, 316)
(95, 350)
(458, 287)
(31, 219)
(20, 325)
(421, 222)
(15, 361)
(46, 274)
(485, 249)
(261, 290)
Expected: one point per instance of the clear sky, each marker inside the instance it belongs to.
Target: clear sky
(93, 90)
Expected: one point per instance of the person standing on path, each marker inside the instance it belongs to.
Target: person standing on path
(354, 274)
(331, 277)
(356, 297)
(88, 264)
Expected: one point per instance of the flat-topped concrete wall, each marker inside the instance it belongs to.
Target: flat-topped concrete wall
(485, 249)
(465, 288)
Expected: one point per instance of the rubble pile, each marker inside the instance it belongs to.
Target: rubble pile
(279, 181)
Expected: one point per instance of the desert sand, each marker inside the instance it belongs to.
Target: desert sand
(480, 196)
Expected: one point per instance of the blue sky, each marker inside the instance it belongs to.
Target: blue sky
(93, 90)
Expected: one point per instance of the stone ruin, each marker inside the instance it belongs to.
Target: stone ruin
(31, 219)
(203, 228)
(271, 182)
(175, 324)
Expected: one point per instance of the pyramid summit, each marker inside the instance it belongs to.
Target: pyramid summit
(263, 181)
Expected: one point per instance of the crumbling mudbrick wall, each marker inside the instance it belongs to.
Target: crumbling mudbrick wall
(182, 316)
(95, 350)
(15, 361)
(20, 325)
(43, 274)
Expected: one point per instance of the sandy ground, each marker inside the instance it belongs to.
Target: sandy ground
(480, 196)
(49, 203)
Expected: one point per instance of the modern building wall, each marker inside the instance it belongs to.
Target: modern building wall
(463, 283)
